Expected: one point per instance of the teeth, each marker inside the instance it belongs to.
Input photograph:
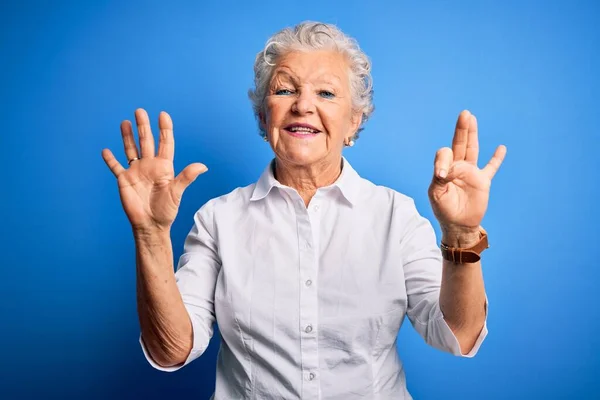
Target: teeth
(302, 129)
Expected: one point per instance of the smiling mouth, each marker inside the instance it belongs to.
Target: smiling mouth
(301, 129)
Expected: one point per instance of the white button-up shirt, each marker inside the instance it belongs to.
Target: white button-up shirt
(309, 300)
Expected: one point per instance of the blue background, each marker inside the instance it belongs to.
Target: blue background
(70, 72)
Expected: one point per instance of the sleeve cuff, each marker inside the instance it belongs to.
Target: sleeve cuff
(194, 353)
(450, 342)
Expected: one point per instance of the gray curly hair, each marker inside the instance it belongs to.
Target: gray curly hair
(308, 36)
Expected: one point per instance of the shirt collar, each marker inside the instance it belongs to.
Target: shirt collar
(348, 183)
(265, 183)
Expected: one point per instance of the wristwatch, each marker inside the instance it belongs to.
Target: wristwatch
(472, 254)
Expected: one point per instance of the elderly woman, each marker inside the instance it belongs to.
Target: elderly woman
(310, 271)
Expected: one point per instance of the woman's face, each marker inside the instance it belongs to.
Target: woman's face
(309, 108)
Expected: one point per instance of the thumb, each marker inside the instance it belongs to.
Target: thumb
(187, 176)
(458, 170)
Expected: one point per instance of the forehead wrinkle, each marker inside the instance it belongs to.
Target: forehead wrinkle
(282, 73)
(328, 78)
(315, 75)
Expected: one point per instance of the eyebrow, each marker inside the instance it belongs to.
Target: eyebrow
(284, 73)
(329, 78)
(324, 78)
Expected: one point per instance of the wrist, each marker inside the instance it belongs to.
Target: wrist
(150, 233)
(460, 237)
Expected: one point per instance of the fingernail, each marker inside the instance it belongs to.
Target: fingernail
(442, 173)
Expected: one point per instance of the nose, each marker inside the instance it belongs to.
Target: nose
(304, 103)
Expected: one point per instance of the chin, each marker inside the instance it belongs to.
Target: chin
(302, 156)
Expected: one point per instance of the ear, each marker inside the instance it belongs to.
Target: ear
(262, 120)
(355, 122)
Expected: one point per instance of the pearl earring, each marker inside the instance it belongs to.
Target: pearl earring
(349, 143)
(266, 138)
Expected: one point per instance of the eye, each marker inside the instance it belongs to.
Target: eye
(283, 92)
(326, 94)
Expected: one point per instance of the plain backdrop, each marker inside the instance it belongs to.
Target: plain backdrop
(72, 71)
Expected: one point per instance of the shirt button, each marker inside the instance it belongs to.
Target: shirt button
(311, 376)
(308, 329)
(308, 282)
(316, 208)
(307, 245)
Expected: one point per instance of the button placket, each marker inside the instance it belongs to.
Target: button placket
(307, 224)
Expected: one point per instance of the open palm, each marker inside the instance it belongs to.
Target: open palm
(150, 193)
(459, 191)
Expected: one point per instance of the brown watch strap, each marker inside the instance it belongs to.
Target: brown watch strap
(466, 255)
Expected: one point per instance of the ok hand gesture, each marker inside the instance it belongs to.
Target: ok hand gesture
(459, 191)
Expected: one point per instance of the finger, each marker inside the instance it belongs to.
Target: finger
(131, 150)
(492, 167)
(458, 170)
(442, 162)
(144, 133)
(459, 142)
(112, 162)
(472, 142)
(187, 176)
(166, 143)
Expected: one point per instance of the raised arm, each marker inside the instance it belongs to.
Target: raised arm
(459, 194)
(151, 195)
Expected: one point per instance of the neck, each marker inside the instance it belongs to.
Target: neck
(306, 179)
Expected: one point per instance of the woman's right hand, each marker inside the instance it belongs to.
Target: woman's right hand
(150, 193)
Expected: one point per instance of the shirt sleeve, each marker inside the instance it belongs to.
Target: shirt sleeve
(196, 276)
(422, 261)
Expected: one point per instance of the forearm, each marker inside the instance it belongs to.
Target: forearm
(462, 295)
(164, 322)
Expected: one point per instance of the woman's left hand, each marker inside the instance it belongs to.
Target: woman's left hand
(459, 191)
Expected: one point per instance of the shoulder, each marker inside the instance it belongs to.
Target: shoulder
(235, 201)
(384, 197)
(415, 230)
(394, 207)
(396, 214)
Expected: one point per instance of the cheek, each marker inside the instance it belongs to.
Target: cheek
(336, 120)
(275, 113)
